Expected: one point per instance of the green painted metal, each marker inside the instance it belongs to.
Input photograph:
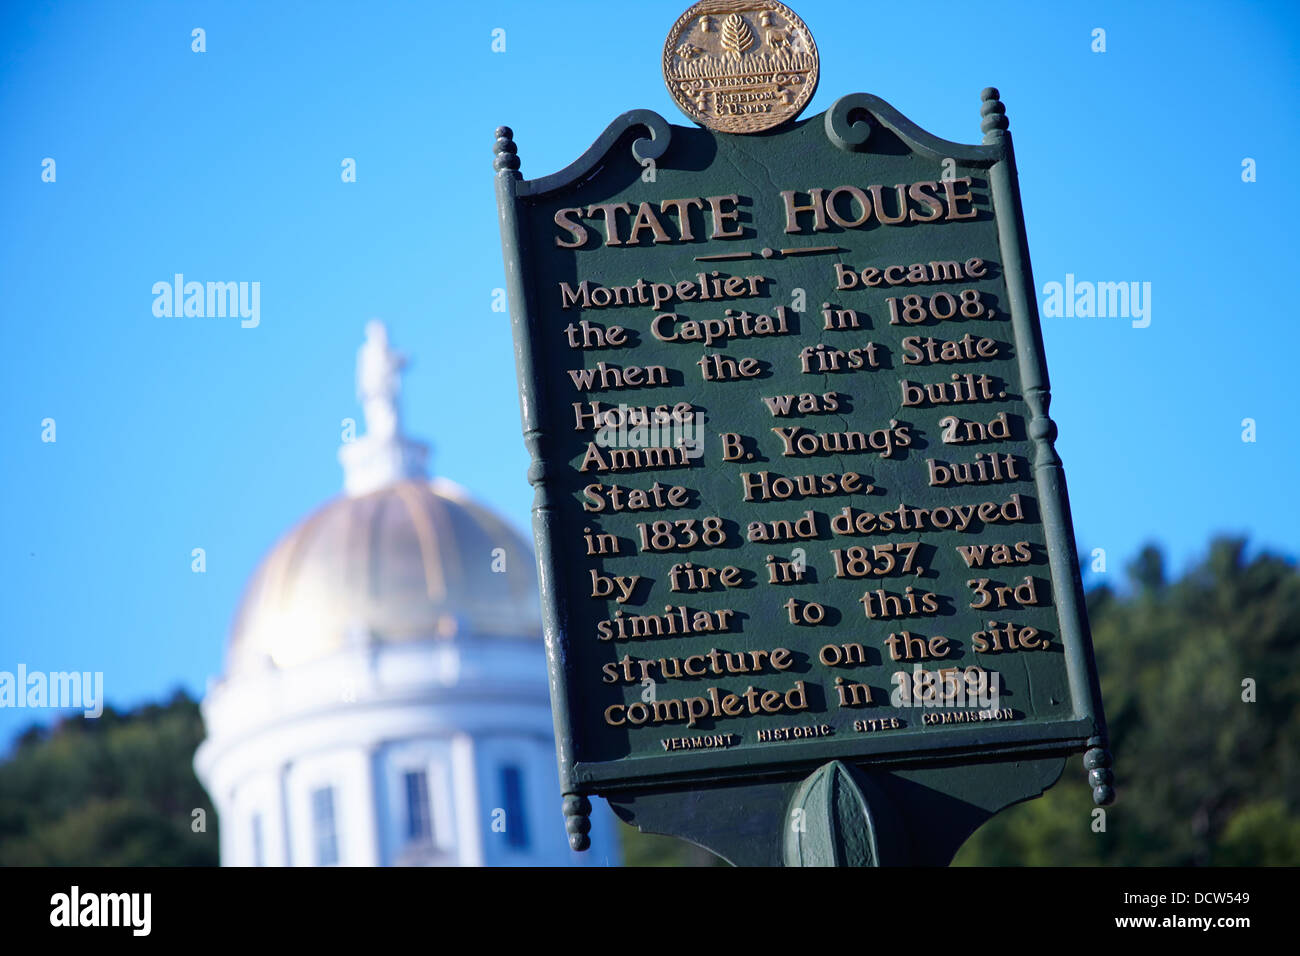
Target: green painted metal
(831, 821)
(965, 771)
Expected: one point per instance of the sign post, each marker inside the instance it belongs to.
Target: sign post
(809, 578)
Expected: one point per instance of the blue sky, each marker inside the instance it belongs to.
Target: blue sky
(176, 433)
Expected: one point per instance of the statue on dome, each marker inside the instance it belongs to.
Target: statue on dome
(379, 382)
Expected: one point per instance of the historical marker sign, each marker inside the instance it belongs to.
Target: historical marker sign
(806, 551)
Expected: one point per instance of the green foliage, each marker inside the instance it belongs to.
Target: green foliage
(1203, 777)
(1260, 834)
(118, 790)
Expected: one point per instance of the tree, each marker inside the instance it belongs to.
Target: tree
(118, 790)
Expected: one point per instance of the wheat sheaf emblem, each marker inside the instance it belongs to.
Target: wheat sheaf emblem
(737, 36)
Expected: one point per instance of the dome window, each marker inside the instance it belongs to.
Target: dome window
(259, 856)
(324, 834)
(419, 826)
(512, 794)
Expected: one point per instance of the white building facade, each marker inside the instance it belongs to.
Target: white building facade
(384, 698)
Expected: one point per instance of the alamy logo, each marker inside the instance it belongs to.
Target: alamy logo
(1102, 300)
(62, 689)
(679, 427)
(75, 908)
(210, 300)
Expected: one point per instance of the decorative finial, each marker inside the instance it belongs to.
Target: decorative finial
(1100, 777)
(994, 113)
(383, 455)
(505, 151)
(577, 820)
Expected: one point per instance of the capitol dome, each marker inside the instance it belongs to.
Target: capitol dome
(384, 700)
(409, 561)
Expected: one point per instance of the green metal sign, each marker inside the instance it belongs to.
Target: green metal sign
(809, 578)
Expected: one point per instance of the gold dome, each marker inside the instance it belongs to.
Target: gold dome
(412, 560)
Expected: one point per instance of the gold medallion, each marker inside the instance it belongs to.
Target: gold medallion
(740, 67)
